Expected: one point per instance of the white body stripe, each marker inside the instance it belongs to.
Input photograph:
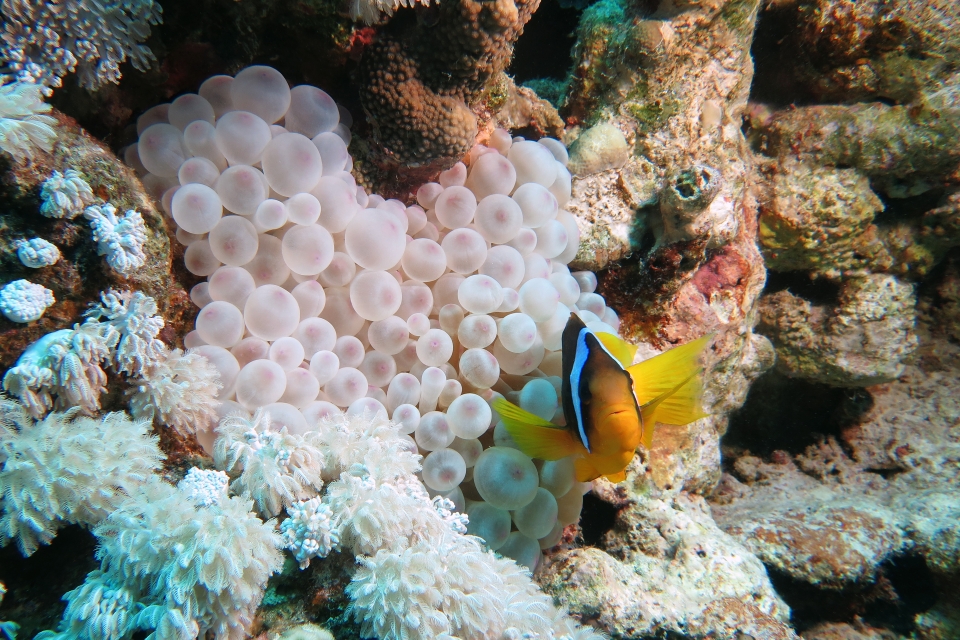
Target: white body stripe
(579, 360)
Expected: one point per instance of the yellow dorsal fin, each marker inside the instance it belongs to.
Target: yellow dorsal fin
(666, 372)
(620, 349)
(535, 436)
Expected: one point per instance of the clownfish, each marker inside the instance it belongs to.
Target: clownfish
(610, 407)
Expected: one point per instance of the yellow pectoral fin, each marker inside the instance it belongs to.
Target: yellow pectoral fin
(535, 436)
(668, 371)
(620, 349)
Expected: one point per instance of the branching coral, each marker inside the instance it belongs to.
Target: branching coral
(67, 468)
(120, 239)
(182, 561)
(24, 127)
(65, 195)
(42, 42)
(180, 389)
(275, 468)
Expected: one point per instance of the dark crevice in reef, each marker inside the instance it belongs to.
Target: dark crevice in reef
(787, 414)
(773, 56)
(596, 519)
(903, 588)
(898, 210)
(36, 584)
(543, 51)
(818, 291)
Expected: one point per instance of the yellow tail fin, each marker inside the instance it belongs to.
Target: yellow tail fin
(654, 377)
(620, 349)
(536, 437)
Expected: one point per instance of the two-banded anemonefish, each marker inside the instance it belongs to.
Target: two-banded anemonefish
(610, 407)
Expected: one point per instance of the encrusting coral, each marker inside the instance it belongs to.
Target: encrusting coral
(420, 111)
(67, 468)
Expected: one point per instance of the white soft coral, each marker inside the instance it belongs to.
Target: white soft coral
(120, 239)
(180, 389)
(24, 301)
(67, 468)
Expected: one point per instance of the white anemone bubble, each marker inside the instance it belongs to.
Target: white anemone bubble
(291, 164)
(519, 364)
(333, 153)
(250, 349)
(379, 368)
(287, 352)
(241, 189)
(407, 416)
(271, 312)
(339, 272)
(220, 324)
(367, 406)
(349, 350)
(324, 365)
(428, 193)
(498, 218)
(261, 90)
(307, 250)
(505, 478)
(188, 108)
(480, 294)
(477, 331)
(455, 207)
(537, 204)
(318, 411)
(388, 335)
(337, 203)
(161, 151)
(434, 347)
(198, 170)
(466, 250)
(534, 163)
(241, 137)
(200, 140)
(424, 260)
(517, 332)
(469, 416)
(216, 90)
(196, 208)
(433, 432)
(538, 299)
(311, 298)
(505, 265)
(375, 295)
(551, 239)
(339, 312)
(268, 267)
(285, 415)
(315, 334)
(302, 388)
(491, 174)
(303, 208)
(375, 239)
(234, 241)
(260, 382)
(417, 298)
(311, 112)
(346, 387)
(480, 368)
(199, 259)
(443, 469)
(403, 389)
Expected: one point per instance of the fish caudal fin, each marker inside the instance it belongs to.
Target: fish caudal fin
(536, 437)
(669, 387)
(620, 349)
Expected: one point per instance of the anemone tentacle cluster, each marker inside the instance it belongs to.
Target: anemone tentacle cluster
(322, 299)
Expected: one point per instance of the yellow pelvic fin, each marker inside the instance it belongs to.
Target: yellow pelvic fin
(617, 477)
(664, 373)
(620, 349)
(536, 437)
